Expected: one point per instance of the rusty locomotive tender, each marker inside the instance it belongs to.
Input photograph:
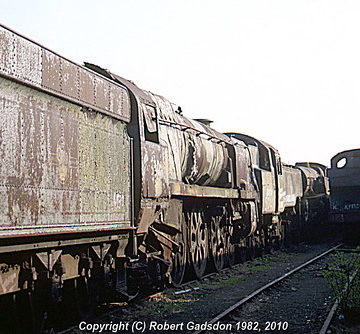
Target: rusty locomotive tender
(104, 186)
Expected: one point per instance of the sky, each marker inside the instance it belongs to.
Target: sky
(286, 72)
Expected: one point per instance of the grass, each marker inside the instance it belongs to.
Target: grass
(260, 267)
(173, 308)
(166, 305)
(232, 281)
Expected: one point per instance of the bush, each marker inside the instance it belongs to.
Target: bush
(343, 275)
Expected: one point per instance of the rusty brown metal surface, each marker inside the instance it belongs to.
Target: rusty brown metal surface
(20, 58)
(174, 148)
(29, 63)
(51, 72)
(64, 167)
(154, 167)
(264, 171)
(242, 164)
(9, 278)
(148, 216)
(291, 188)
(309, 178)
(61, 166)
(181, 189)
(315, 180)
(86, 87)
(280, 186)
(199, 150)
(69, 77)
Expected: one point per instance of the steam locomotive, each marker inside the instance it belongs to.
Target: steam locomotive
(105, 186)
(344, 177)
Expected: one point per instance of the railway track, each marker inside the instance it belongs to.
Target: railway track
(182, 288)
(231, 318)
(192, 288)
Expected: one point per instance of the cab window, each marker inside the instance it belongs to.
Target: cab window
(150, 123)
(264, 159)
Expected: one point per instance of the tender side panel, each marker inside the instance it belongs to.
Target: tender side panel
(104, 150)
(29, 63)
(61, 166)
(20, 58)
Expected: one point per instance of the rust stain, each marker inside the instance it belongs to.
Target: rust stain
(60, 165)
(63, 160)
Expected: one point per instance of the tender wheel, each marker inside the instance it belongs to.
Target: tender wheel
(179, 259)
(69, 307)
(217, 243)
(17, 317)
(36, 315)
(199, 249)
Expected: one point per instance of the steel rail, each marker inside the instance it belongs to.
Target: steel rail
(349, 250)
(265, 287)
(214, 273)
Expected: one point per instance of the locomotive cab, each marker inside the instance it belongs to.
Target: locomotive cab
(267, 167)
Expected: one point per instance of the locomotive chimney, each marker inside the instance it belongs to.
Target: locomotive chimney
(205, 121)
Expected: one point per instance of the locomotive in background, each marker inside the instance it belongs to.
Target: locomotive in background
(105, 186)
(344, 176)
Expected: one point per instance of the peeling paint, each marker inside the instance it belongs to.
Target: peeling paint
(61, 165)
(32, 64)
(199, 150)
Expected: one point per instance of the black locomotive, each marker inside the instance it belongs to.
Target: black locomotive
(344, 176)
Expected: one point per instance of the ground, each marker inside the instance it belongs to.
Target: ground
(214, 294)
